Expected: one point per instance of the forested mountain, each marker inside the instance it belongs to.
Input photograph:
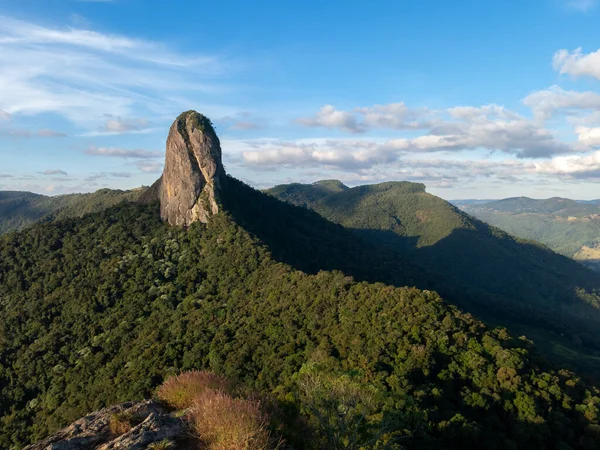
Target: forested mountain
(340, 329)
(21, 209)
(100, 309)
(569, 227)
(505, 280)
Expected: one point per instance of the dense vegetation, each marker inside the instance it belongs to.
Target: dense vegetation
(505, 280)
(568, 227)
(19, 210)
(101, 309)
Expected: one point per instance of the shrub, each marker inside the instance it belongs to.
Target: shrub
(227, 423)
(180, 391)
(120, 423)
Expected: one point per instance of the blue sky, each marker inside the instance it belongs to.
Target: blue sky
(475, 99)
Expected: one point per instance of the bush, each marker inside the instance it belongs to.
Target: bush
(227, 423)
(181, 391)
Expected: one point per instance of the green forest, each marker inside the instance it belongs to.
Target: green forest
(102, 309)
(502, 279)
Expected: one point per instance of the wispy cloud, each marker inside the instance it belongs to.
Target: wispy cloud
(107, 175)
(21, 133)
(123, 153)
(582, 5)
(54, 172)
(148, 166)
(83, 74)
(4, 115)
(50, 133)
(245, 126)
(117, 125)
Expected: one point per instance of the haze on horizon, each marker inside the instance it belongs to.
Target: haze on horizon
(477, 100)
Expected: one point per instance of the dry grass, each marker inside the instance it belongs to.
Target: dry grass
(182, 390)
(227, 423)
(120, 423)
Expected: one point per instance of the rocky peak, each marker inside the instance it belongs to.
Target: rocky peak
(188, 189)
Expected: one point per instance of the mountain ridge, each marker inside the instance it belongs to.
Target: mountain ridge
(507, 277)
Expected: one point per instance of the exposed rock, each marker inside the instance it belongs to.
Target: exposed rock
(188, 189)
(143, 423)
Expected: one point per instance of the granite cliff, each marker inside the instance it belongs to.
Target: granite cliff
(188, 189)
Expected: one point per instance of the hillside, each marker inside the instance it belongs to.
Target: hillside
(568, 227)
(502, 279)
(19, 210)
(98, 310)
(311, 321)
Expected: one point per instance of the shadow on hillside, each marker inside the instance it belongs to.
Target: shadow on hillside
(306, 241)
(502, 281)
(510, 283)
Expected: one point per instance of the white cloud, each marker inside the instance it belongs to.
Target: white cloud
(123, 153)
(393, 116)
(546, 103)
(341, 154)
(490, 127)
(329, 117)
(590, 137)
(576, 63)
(572, 166)
(4, 115)
(83, 74)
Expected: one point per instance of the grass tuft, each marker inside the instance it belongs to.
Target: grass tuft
(227, 423)
(181, 391)
(120, 423)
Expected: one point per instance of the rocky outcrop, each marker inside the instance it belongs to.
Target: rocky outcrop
(188, 189)
(132, 425)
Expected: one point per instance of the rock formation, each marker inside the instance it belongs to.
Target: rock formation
(132, 425)
(188, 189)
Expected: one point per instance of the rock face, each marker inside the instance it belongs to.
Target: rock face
(188, 189)
(132, 425)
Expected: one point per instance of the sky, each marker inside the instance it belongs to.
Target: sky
(474, 99)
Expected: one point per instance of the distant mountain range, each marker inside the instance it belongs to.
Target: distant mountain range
(569, 227)
(19, 209)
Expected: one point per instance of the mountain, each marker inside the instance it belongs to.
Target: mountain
(19, 210)
(569, 227)
(99, 310)
(505, 280)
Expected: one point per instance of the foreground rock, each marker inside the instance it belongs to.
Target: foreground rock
(132, 425)
(188, 189)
